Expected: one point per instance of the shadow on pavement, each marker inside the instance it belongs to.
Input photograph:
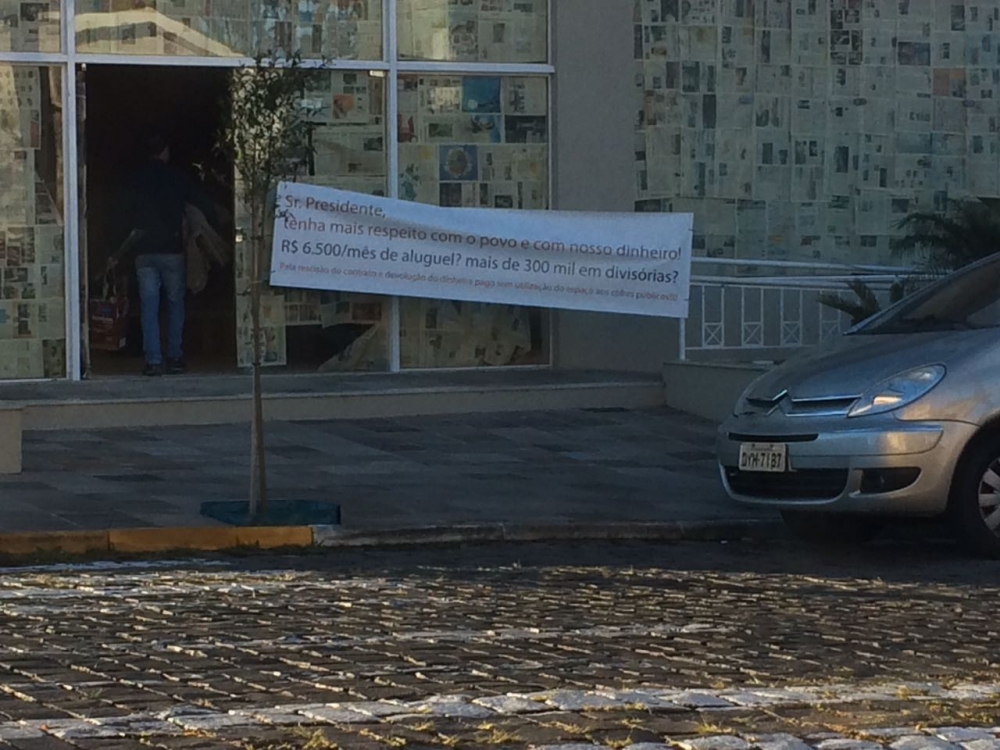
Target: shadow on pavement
(921, 553)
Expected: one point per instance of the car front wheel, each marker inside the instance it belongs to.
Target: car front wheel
(975, 499)
(830, 529)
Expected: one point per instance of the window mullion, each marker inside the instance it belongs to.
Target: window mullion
(392, 173)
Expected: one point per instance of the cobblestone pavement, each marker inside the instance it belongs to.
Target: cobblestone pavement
(693, 647)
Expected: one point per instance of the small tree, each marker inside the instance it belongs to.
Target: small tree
(967, 231)
(267, 133)
(865, 304)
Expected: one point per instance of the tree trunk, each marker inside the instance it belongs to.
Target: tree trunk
(258, 467)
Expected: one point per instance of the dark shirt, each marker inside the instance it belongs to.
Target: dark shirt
(156, 200)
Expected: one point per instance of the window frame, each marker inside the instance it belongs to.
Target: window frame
(390, 66)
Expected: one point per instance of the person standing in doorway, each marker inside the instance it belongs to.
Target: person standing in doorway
(155, 214)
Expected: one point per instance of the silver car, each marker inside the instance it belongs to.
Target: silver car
(899, 417)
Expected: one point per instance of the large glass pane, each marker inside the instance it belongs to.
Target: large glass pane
(473, 141)
(330, 331)
(29, 26)
(32, 306)
(342, 29)
(501, 31)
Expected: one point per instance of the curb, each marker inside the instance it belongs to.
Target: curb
(222, 538)
(153, 540)
(429, 536)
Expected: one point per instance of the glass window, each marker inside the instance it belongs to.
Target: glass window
(32, 307)
(501, 31)
(330, 331)
(473, 141)
(29, 26)
(341, 29)
(967, 300)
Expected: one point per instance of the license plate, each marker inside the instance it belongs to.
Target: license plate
(764, 457)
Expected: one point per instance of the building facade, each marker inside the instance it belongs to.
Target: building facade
(806, 129)
(794, 130)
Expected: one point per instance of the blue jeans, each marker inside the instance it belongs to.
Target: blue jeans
(161, 271)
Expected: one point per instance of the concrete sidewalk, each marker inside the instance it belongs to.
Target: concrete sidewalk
(582, 466)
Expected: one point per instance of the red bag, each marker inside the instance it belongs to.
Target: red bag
(108, 317)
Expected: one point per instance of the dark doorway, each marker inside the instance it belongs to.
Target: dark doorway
(124, 105)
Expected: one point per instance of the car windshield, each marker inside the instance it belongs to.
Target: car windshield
(969, 300)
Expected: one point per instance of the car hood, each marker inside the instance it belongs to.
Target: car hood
(852, 364)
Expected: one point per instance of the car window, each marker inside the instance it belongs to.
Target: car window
(988, 317)
(969, 299)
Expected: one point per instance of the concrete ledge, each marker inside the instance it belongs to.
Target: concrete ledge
(164, 540)
(11, 424)
(274, 537)
(67, 543)
(395, 402)
(147, 541)
(213, 538)
(707, 390)
(221, 538)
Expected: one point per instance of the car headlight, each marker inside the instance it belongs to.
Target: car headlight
(898, 391)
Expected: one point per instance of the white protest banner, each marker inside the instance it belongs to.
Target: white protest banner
(625, 263)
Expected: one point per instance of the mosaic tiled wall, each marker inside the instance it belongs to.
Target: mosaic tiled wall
(502, 31)
(348, 29)
(472, 141)
(29, 26)
(32, 310)
(806, 129)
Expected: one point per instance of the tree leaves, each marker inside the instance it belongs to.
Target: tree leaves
(863, 307)
(267, 133)
(941, 242)
(968, 231)
(268, 126)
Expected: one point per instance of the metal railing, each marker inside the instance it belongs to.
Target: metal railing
(752, 310)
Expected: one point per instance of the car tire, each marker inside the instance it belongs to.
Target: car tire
(974, 506)
(832, 529)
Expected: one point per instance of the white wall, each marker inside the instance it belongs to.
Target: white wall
(594, 109)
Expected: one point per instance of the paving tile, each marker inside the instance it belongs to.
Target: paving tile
(848, 744)
(922, 743)
(961, 734)
(718, 742)
(514, 467)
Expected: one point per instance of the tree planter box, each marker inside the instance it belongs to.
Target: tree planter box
(278, 513)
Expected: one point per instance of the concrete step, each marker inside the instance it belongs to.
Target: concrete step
(189, 400)
(707, 389)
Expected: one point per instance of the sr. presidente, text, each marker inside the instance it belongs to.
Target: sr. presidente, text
(478, 263)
